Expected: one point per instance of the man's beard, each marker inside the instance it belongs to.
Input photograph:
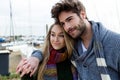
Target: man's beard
(81, 29)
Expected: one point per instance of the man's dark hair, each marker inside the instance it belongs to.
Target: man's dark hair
(67, 5)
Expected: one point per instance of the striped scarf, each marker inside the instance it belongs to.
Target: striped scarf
(99, 52)
(59, 67)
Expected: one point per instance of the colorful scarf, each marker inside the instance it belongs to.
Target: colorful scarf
(59, 67)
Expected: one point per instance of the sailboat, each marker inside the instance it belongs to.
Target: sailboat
(17, 46)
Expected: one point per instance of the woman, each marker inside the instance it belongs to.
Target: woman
(57, 50)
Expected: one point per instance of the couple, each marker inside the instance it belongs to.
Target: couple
(95, 52)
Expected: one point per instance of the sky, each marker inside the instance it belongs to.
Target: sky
(30, 17)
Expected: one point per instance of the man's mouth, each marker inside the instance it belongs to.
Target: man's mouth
(71, 30)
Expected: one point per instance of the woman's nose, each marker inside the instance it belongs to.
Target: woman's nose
(56, 38)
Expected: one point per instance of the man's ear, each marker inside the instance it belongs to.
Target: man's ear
(83, 14)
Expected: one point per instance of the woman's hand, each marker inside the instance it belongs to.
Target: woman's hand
(27, 65)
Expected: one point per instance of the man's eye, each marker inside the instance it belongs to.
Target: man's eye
(69, 19)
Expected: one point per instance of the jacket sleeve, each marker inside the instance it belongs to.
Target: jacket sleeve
(38, 54)
(119, 64)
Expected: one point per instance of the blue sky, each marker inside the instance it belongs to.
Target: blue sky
(31, 16)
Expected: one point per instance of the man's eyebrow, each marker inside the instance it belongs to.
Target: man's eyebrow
(68, 17)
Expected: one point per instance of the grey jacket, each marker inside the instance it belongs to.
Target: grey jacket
(108, 50)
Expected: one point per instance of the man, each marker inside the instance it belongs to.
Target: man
(97, 50)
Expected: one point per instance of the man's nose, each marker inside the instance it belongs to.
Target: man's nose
(67, 26)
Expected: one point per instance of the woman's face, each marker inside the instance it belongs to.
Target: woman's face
(57, 37)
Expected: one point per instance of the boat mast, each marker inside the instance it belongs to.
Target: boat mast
(12, 37)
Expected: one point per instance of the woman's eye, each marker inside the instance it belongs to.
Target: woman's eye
(52, 34)
(61, 35)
